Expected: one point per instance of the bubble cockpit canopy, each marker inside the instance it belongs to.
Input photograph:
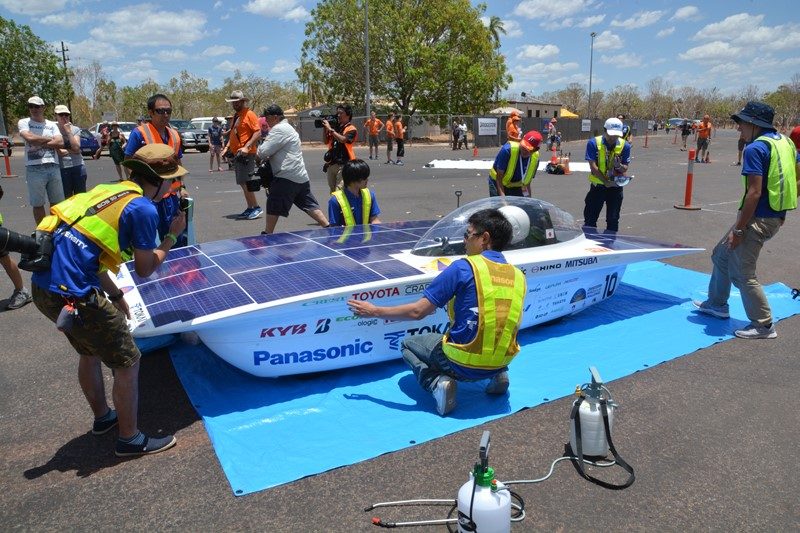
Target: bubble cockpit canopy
(534, 223)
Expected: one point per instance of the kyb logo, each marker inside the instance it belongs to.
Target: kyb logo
(282, 331)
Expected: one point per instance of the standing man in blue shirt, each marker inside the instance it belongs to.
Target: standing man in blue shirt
(770, 171)
(515, 166)
(486, 296)
(609, 156)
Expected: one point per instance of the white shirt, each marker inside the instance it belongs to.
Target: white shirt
(282, 146)
(37, 154)
(72, 160)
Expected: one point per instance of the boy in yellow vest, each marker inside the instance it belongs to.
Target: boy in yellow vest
(355, 203)
(478, 290)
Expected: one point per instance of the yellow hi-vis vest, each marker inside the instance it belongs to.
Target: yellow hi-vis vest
(501, 292)
(604, 157)
(782, 176)
(95, 214)
(512, 166)
(347, 211)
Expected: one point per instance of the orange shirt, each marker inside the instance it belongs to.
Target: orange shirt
(399, 130)
(245, 127)
(704, 130)
(512, 129)
(389, 129)
(373, 125)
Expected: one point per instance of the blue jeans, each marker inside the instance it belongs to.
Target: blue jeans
(73, 180)
(424, 355)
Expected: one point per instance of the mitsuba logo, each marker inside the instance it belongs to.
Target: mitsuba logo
(307, 356)
(376, 293)
(395, 337)
(282, 331)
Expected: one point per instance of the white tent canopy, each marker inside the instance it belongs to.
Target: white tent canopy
(504, 110)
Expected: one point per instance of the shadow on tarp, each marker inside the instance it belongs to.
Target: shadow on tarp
(272, 431)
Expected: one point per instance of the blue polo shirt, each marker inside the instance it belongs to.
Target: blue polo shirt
(458, 281)
(335, 216)
(135, 141)
(755, 161)
(502, 159)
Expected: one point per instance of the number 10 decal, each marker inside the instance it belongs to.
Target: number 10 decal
(611, 285)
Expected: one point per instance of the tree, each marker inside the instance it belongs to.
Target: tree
(441, 57)
(28, 66)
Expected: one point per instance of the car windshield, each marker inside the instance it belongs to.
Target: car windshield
(536, 223)
(127, 127)
(180, 124)
(87, 134)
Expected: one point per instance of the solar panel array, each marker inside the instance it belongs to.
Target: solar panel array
(209, 278)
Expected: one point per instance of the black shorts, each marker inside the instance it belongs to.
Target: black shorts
(284, 193)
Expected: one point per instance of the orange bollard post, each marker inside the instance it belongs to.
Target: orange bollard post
(646, 138)
(675, 139)
(553, 157)
(475, 151)
(8, 162)
(565, 161)
(687, 197)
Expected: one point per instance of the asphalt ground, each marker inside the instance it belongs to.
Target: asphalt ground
(712, 435)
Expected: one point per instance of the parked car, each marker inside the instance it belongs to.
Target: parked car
(8, 141)
(676, 122)
(191, 136)
(125, 127)
(89, 143)
(203, 123)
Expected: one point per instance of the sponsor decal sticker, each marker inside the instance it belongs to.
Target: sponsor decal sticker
(357, 347)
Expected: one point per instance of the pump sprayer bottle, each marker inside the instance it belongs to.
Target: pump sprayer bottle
(484, 504)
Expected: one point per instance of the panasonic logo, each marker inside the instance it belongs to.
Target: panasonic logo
(307, 356)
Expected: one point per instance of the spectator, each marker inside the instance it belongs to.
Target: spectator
(263, 127)
(795, 137)
(740, 148)
(101, 333)
(608, 156)
(355, 204)
(513, 131)
(456, 133)
(116, 148)
(42, 172)
(399, 137)
(73, 170)
(242, 145)
(703, 140)
(21, 296)
(373, 127)
(290, 183)
(515, 166)
(389, 138)
(686, 130)
(626, 130)
(770, 171)
(488, 309)
(215, 140)
(340, 141)
(462, 135)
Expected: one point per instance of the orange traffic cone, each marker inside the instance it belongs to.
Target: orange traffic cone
(475, 151)
(553, 157)
(565, 161)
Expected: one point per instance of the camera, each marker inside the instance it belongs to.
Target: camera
(333, 120)
(264, 174)
(185, 204)
(35, 251)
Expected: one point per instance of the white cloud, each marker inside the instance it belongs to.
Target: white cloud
(588, 22)
(297, 14)
(625, 60)
(544, 69)
(263, 48)
(86, 51)
(67, 20)
(218, 50)
(33, 7)
(666, 32)
(608, 41)
(572, 78)
(638, 20)
(282, 66)
(512, 27)
(121, 26)
(282, 9)
(230, 66)
(139, 70)
(218, 4)
(718, 50)
(535, 51)
(686, 13)
(729, 27)
(171, 55)
(726, 69)
(551, 10)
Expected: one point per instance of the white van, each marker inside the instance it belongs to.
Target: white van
(203, 123)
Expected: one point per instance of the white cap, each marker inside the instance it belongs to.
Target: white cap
(520, 223)
(35, 100)
(61, 109)
(613, 126)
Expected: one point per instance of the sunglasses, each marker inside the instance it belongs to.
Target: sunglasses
(163, 111)
(468, 234)
(34, 106)
(63, 114)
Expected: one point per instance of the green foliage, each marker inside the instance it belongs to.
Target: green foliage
(435, 55)
(28, 66)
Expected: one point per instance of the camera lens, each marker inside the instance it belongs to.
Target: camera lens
(11, 241)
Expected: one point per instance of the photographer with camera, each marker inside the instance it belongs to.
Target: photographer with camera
(92, 233)
(242, 144)
(290, 183)
(21, 296)
(340, 136)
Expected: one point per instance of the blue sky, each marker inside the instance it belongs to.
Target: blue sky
(714, 43)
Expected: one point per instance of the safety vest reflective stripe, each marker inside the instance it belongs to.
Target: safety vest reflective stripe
(150, 135)
(781, 176)
(501, 292)
(603, 157)
(347, 146)
(101, 224)
(533, 163)
(347, 211)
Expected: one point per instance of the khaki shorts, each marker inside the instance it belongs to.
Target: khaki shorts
(101, 330)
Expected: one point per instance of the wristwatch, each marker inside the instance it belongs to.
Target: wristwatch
(738, 232)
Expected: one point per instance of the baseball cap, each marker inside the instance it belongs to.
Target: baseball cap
(156, 160)
(236, 96)
(62, 109)
(613, 126)
(795, 137)
(757, 113)
(35, 100)
(531, 140)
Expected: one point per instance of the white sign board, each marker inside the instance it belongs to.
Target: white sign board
(487, 126)
(586, 124)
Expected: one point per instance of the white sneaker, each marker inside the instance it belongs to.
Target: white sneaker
(754, 331)
(498, 384)
(705, 307)
(444, 392)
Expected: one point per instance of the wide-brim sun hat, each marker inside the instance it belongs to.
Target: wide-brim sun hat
(156, 161)
(236, 96)
(757, 113)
